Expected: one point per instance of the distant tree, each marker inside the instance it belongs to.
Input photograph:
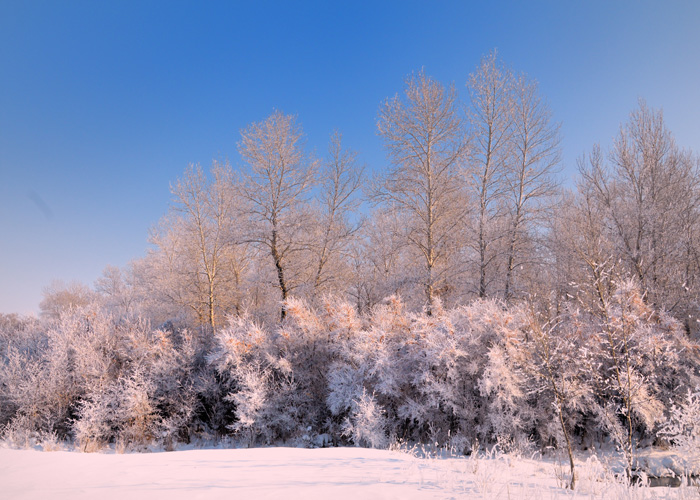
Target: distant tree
(59, 297)
(340, 179)
(118, 290)
(382, 264)
(164, 277)
(585, 264)
(200, 249)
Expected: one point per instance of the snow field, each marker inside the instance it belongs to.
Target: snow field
(296, 473)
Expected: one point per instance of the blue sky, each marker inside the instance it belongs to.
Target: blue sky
(104, 104)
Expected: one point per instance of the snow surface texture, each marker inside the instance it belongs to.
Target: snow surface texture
(291, 473)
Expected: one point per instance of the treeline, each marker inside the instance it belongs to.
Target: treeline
(469, 207)
(518, 309)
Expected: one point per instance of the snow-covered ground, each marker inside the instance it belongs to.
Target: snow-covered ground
(290, 473)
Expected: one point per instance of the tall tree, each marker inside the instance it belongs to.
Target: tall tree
(529, 173)
(276, 191)
(423, 133)
(492, 104)
(650, 191)
(585, 261)
(196, 241)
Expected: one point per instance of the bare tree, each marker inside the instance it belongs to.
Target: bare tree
(340, 181)
(650, 192)
(60, 297)
(276, 191)
(381, 262)
(529, 176)
(424, 136)
(490, 90)
(197, 249)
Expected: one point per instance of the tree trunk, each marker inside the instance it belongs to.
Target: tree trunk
(280, 274)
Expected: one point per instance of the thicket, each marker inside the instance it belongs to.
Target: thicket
(485, 372)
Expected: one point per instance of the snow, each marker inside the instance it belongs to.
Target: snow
(660, 463)
(296, 473)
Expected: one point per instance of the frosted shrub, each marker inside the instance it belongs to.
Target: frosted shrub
(100, 379)
(500, 375)
(637, 351)
(279, 380)
(139, 421)
(49, 441)
(18, 433)
(469, 382)
(45, 383)
(345, 385)
(435, 377)
(20, 377)
(683, 428)
(96, 422)
(22, 342)
(250, 398)
(384, 360)
(503, 388)
(271, 375)
(172, 367)
(366, 424)
(123, 412)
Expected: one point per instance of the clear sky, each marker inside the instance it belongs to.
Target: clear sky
(104, 104)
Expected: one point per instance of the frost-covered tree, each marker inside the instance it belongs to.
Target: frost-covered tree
(650, 192)
(529, 178)
(334, 230)
(276, 191)
(205, 259)
(491, 121)
(425, 138)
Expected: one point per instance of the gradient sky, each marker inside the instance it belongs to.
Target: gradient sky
(104, 104)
